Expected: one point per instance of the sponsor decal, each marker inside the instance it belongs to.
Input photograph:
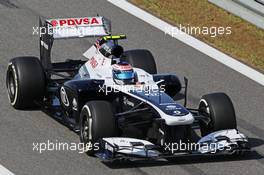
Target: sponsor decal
(103, 62)
(122, 67)
(54, 22)
(153, 94)
(129, 103)
(93, 62)
(171, 107)
(75, 22)
(64, 97)
(74, 104)
(177, 112)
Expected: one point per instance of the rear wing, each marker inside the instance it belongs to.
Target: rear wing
(79, 27)
(63, 28)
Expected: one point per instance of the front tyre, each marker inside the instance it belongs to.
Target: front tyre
(219, 111)
(96, 122)
(25, 82)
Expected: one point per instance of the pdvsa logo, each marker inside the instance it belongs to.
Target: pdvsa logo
(74, 22)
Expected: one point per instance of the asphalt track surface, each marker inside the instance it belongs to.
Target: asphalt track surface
(19, 129)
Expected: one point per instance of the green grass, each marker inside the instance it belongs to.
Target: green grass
(245, 43)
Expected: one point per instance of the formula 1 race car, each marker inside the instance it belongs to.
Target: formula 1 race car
(117, 101)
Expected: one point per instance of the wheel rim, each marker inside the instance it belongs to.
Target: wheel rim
(205, 110)
(86, 129)
(11, 85)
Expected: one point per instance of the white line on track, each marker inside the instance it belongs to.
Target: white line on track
(191, 41)
(4, 171)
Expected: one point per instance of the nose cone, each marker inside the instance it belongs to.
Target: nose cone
(174, 109)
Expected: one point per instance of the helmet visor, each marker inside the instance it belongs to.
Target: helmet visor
(124, 75)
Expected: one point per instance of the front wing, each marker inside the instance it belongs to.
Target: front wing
(224, 142)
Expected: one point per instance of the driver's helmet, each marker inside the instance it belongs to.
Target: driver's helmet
(110, 48)
(123, 73)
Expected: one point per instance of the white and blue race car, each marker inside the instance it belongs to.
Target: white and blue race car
(117, 101)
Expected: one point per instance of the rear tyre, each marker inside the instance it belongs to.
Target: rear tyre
(96, 121)
(25, 82)
(219, 109)
(142, 59)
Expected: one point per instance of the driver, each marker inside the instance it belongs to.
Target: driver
(123, 74)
